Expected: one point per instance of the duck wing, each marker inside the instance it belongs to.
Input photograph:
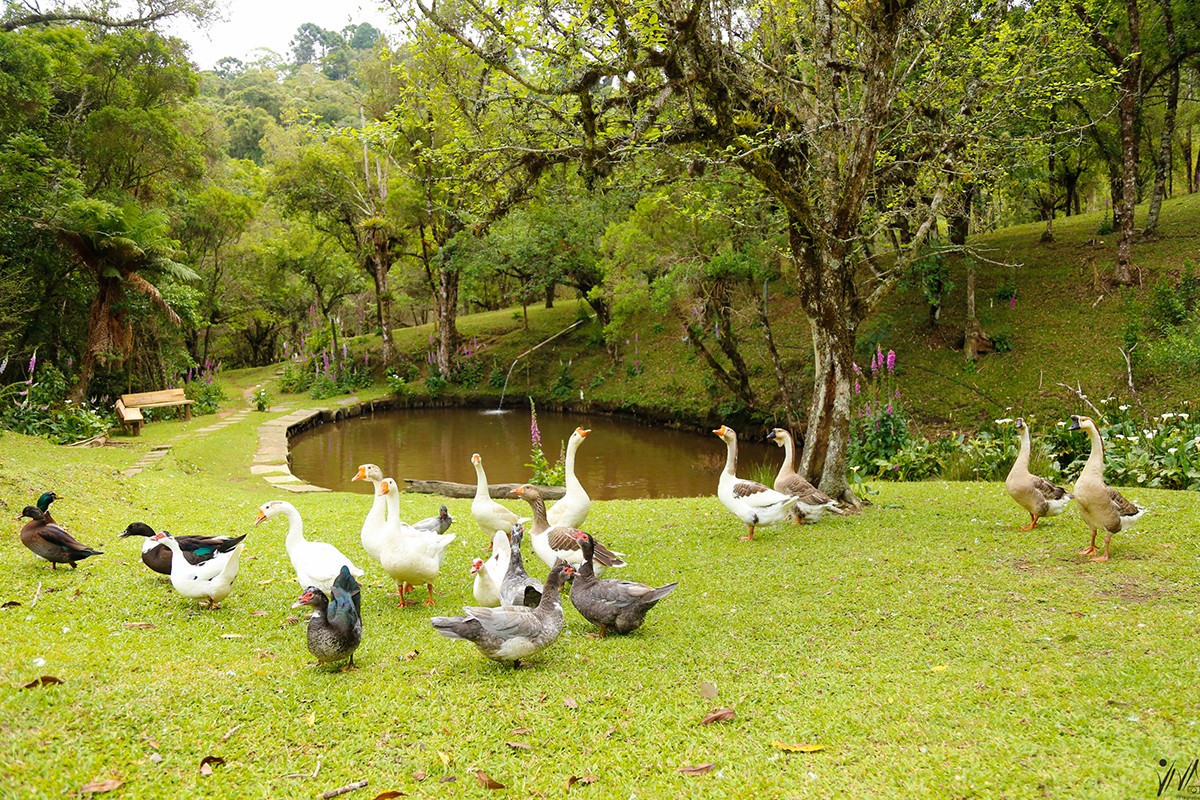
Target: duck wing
(208, 545)
(345, 586)
(756, 495)
(56, 535)
(1049, 490)
(508, 622)
(1123, 506)
(564, 539)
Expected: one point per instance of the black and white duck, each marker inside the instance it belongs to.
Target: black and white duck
(210, 581)
(510, 633)
(612, 603)
(196, 549)
(50, 541)
(335, 628)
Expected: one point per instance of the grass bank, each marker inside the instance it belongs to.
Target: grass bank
(928, 646)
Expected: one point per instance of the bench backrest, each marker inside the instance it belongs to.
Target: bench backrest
(161, 397)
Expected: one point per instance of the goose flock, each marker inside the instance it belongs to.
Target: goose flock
(517, 615)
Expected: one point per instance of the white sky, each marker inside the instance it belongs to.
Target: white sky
(252, 24)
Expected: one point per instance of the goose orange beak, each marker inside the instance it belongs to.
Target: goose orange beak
(519, 491)
(362, 474)
(583, 431)
(261, 518)
(384, 488)
(720, 431)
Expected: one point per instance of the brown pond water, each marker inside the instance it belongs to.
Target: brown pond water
(621, 458)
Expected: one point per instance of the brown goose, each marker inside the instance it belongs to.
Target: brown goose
(1038, 496)
(813, 502)
(1100, 505)
(552, 542)
(621, 605)
(509, 633)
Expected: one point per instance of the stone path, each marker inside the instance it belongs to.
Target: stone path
(153, 457)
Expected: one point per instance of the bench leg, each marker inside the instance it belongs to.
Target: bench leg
(187, 413)
(136, 427)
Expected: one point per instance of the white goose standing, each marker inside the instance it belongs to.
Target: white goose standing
(573, 508)
(374, 527)
(749, 501)
(490, 515)
(316, 563)
(411, 556)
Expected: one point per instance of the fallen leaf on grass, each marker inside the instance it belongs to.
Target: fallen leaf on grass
(939, 668)
(259, 613)
(99, 787)
(311, 718)
(707, 690)
(265, 581)
(45, 680)
(152, 743)
(145, 626)
(448, 779)
(292, 619)
(798, 748)
(420, 775)
(11, 604)
(411, 654)
(208, 762)
(388, 795)
(569, 702)
(697, 770)
(487, 781)
(718, 715)
(231, 732)
(155, 758)
(520, 731)
(232, 636)
(518, 745)
(445, 758)
(586, 779)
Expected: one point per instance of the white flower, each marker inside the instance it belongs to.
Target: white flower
(1120, 436)
(1123, 408)
(1148, 434)
(1167, 415)
(1133, 439)
(1062, 424)
(1172, 450)
(1105, 401)
(1183, 416)
(1004, 421)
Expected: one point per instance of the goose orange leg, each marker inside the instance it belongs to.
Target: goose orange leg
(1032, 524)
(1091, 548)
(429, 602)
(750, 536)
(401, 590)
(1104, 557)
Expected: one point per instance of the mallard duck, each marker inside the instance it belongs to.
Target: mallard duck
(554, 542)
(573, 508)
(51, 542)
(812, 503)
(335, 628)
(749, 501)
(488, 574)
(490, 515)
(374, 527)
(1100, 505)
(509, 633)
(1038, 496)
(621, 605)
(196, 549)
(410, 556)
(43, 504)
(210, 581)
(316, 563)
(517, 588)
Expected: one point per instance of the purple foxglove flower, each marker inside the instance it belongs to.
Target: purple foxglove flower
(1012, 301)
(891, 361)
(856, 387)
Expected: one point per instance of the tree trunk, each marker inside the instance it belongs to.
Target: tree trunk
(99, 335)
(1127, 110)
(447, 313)
(823, 460)
(550, 296)
(383, 300)
(1162, 162)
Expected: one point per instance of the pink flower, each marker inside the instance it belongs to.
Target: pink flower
(891, 361)
(1012, 302)
(856, 388)
(855, 367)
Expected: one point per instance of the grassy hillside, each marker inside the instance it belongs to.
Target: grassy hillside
(927, 647)
(1062, 328)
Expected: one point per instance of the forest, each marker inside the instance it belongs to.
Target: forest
(694, 161)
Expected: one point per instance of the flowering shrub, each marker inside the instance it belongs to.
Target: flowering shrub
(879, 430)
(38, 406)
(544, 473)
(200, 387)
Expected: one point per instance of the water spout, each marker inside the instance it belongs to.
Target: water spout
(574, 324)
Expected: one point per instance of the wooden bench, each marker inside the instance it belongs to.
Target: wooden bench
(129, 406)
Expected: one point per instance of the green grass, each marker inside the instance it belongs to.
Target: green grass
(933, 649)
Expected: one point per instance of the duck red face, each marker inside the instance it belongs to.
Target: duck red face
(305, 598)
(159, 536)
(476, 565)
(569, 571)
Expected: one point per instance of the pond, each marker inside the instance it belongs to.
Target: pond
(621, 458)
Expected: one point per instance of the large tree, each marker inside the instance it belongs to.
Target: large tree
(849, 116)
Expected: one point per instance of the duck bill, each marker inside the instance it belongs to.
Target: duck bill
(583, 432)
(261, 518)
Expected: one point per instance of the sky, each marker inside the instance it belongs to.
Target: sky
(252, 24)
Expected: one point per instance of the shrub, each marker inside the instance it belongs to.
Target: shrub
(879, 430)
(544, 473)
(435, 384)
(297, 377)
(261, 400)
(396, 384)
(38, 407)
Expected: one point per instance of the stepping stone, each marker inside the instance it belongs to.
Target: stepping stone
(130, 472)
(262, 469)
(300, 488)
(277, 479)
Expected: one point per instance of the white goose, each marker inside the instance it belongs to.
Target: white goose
(488, 574)
(374, 527)
(750, 501)
(490, 515)
(210, 580)
(1100, 505)
(573, 508)
(553, 543)
(411, 556)
(316, 563)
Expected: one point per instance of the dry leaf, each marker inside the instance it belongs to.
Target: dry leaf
(208, 762)
(231, 732)
(445, 757)
(939, 668)
(411, 654)
(145, 626)
(45, 680)
(259, 613)
(718, 715)
(388, 795)
(265, 581)
(155, 758)
(486, 781)
(448, 779)
(520, 731)
(707, 690)
(311, 718)
(99, 787)
(232, 636)
(152, 743)
(420, 775)
(571, 781)
(292, 619)
(518, 745)
(569, 702)
(697, 770)
(11, 604)
(798, 748)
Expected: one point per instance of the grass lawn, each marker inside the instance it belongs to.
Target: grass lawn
(930, 647)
